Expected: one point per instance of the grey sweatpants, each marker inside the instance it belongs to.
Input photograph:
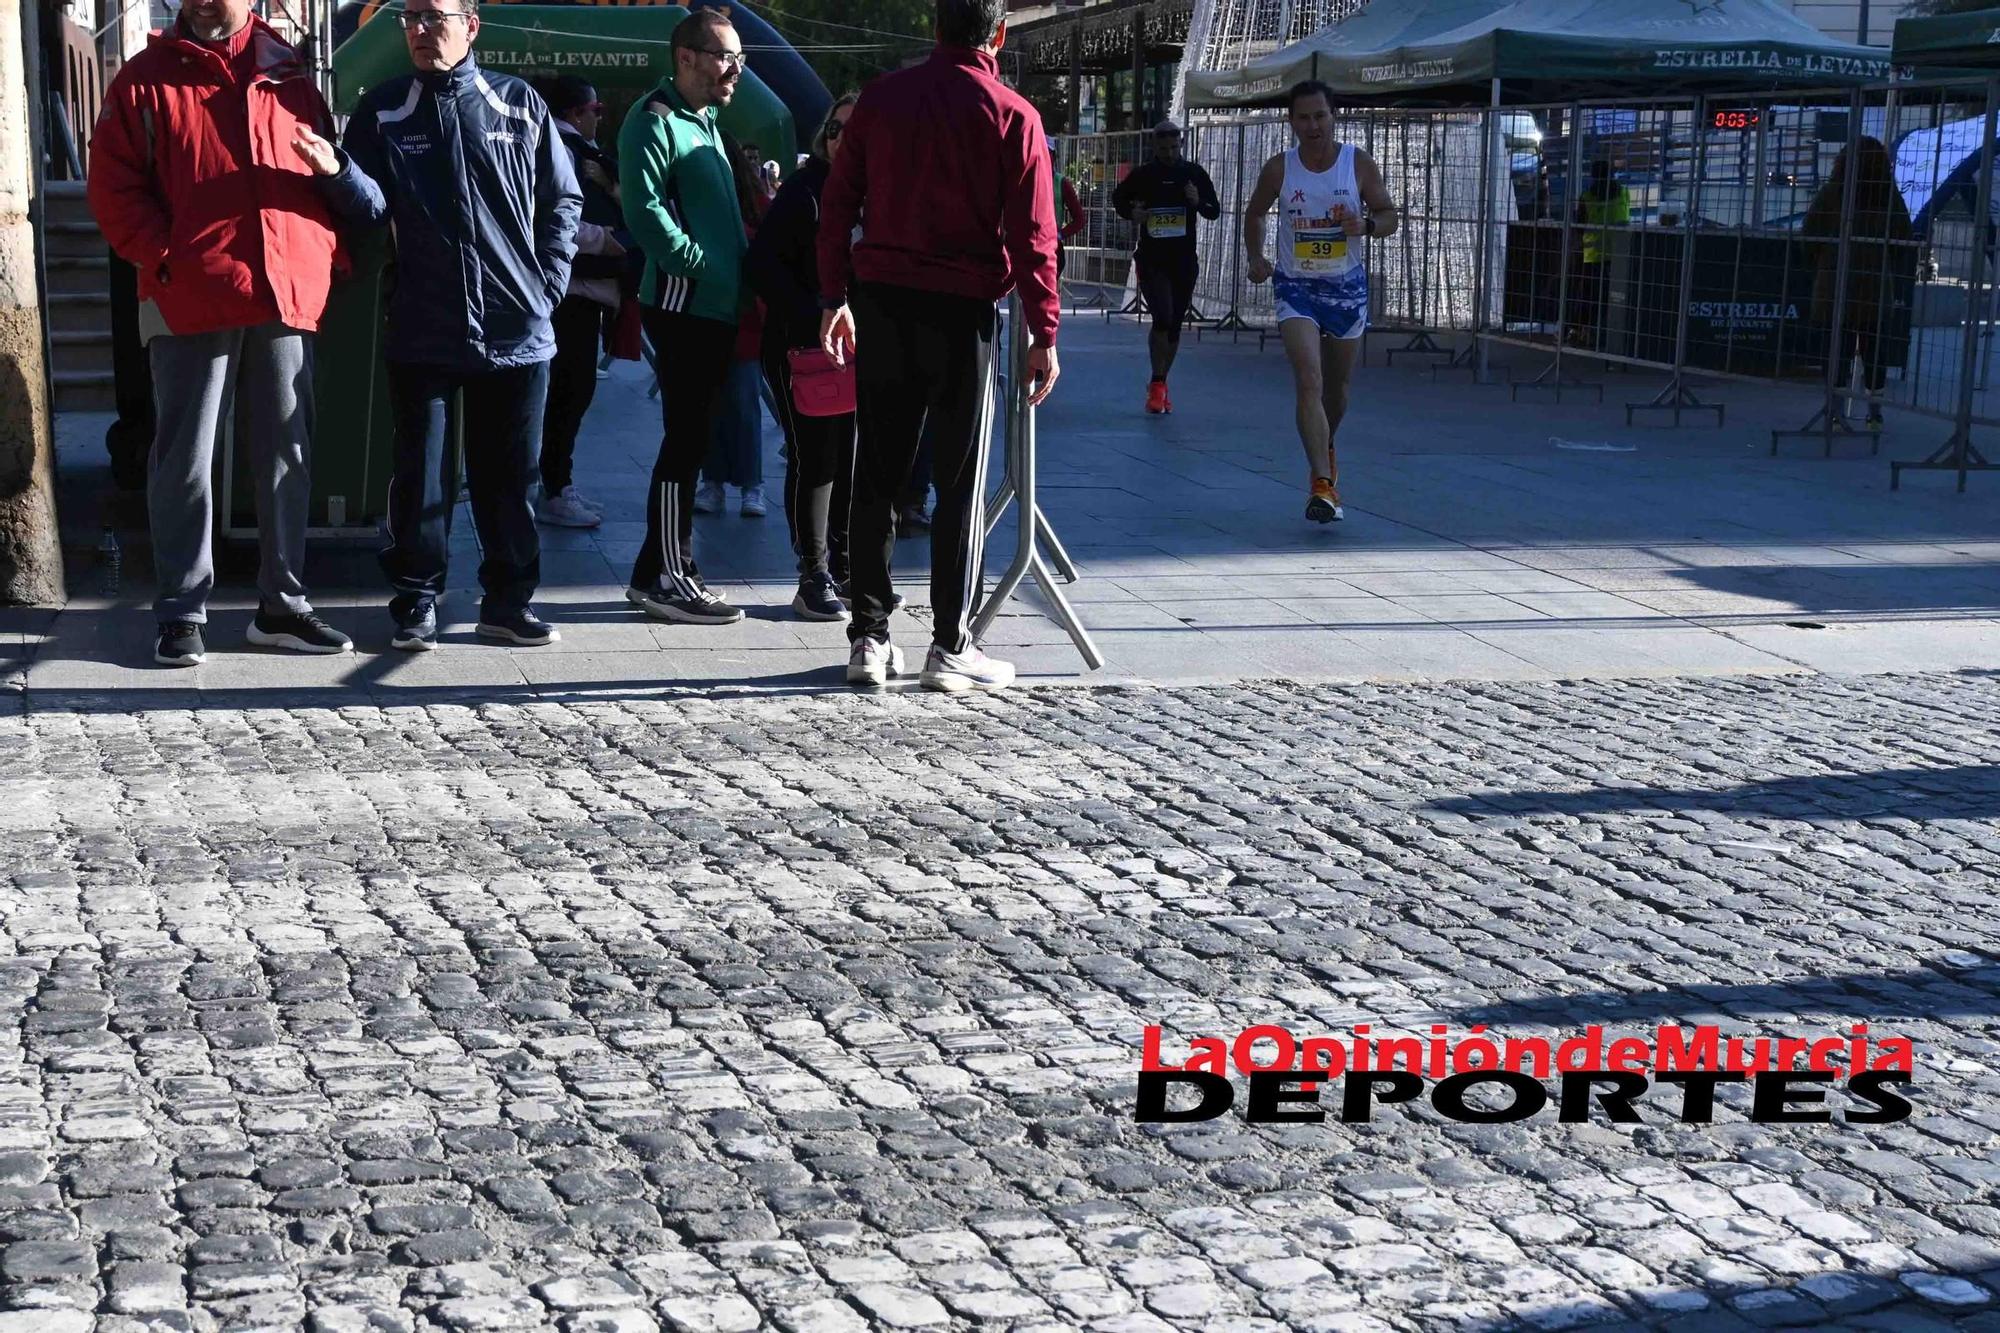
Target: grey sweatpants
(264, 375)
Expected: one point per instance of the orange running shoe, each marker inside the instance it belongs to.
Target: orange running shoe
(1324, 506)
(1156, 397)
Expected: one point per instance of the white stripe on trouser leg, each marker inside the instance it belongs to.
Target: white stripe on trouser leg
(793, 481)
(670, 537)
(975, 506)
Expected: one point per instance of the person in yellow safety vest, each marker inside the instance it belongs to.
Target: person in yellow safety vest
(1604, 204)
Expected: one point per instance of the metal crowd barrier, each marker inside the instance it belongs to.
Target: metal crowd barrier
(1019, 488)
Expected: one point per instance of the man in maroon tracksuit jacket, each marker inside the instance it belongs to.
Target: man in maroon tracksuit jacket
(946, 171)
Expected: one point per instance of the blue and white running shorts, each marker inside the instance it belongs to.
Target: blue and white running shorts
(1339, 306)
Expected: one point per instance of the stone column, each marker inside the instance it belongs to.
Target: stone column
(30, 550)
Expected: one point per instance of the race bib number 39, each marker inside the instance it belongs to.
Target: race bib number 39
(1318, 250)
(1166, 223)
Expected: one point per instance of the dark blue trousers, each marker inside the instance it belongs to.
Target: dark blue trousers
(503, 439)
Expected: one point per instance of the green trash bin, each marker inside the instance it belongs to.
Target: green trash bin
(624, 53)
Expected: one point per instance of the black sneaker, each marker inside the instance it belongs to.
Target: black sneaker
(523, 627)
(845, 590)
(701, 607)
(817, 600)
(913, 519)
(180, 644)
(417, 632)
(304, 633)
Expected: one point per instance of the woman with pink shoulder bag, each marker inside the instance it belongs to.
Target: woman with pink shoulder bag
(815, 397)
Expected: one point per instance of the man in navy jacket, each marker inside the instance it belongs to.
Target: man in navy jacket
(485, 203)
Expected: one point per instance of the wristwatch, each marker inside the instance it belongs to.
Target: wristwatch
(1368, 225)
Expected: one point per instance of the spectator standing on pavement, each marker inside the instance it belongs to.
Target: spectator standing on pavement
(681, 206)
(473, 175)
(950, 170)
(1603, 205)
(783, 267)
(1161, 198)
(196, 180)
(1332, 197)
(736, 446)
(579, 318)
(1881, 266)
(1070, 216)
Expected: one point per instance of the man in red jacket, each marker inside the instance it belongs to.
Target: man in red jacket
(956, 216)
(196, 179)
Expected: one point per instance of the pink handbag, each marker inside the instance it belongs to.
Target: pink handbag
(820, 387)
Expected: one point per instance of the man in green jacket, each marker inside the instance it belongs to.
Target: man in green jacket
(680, 206)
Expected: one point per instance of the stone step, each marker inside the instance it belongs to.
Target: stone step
(79, 312)
(78, 278)
(96, 264)
(78, 352)
(64, 202)
(79, 240)
(86, 391)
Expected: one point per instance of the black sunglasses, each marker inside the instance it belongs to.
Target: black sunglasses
(832, 130)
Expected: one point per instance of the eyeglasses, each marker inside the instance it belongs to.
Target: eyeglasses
(426, 19)
(729, 59)
(833, 129)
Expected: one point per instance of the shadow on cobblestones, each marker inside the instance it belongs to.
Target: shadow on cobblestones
(1966, 791)
(1966, 986)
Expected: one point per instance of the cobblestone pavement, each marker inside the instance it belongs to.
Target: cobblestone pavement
(822, 1012)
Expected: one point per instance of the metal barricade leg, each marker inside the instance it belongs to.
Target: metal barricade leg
(1033, 526)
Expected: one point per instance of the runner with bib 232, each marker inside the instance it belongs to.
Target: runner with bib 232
(1331, 197)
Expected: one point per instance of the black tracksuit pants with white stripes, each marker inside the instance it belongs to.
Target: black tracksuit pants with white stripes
(819, 472)
(920, 355)
(691, 355)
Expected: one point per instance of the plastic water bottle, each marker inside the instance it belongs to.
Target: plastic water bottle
(109, 560)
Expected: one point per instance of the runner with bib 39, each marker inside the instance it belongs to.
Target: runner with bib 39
(1331, 196)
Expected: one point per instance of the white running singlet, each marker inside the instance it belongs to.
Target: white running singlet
(1319, 273)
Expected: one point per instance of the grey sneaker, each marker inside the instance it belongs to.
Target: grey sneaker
(301, 634)
(753, 502)
(873, 661)
(708, 498)
(522, 627)
(180, 644)
(702, 608)
(567, 510)
(816, 599)
(955, 673)
(418, 632)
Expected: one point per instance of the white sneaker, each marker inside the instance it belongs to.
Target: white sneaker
(568, 510)
(753, 502)
(955, 673)
(872, 662)
(708, 498)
